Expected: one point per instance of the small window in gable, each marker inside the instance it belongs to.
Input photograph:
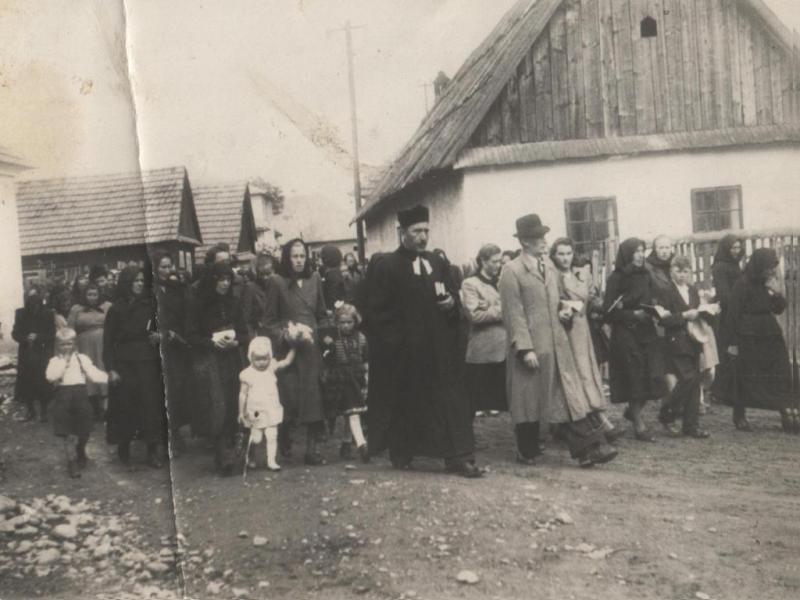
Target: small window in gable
(649, 27)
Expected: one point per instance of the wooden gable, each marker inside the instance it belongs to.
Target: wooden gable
(188, 226)
(608, 68)
(248, 234)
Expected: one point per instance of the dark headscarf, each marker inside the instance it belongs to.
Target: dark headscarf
(760, 262)
(213, 274)
(655, 262)
(724, 249)
(625, 256)
(124, 289)
(331, 256)
(286, 269)
(96, 272)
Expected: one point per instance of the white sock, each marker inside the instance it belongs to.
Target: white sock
(271, 433)
(355, 429)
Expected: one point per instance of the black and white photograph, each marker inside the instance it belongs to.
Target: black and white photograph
(400, 299)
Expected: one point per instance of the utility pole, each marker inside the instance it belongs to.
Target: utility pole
(348, 32)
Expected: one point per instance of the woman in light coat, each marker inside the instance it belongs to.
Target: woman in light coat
(543, 381)
(485, 371)
(577, 294)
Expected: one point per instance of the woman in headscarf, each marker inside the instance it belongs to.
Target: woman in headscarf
(216, 330)
(88, 319)
(299, 299)
(131, 357)
(576, 295)
(725, 272)
(34, 330)
(485, 371)
(172, 297)
(762, 371)
(658, 265)
(79, 287)
(636, 365)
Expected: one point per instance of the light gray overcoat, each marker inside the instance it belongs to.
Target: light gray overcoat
(552, 392)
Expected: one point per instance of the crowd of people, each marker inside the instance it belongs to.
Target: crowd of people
(242, 357)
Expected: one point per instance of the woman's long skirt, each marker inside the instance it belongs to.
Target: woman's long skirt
(299, 387)
(216, 393)
(760, 377)
(136, 403)
(485, 385)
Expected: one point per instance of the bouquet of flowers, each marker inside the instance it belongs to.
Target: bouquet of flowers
(297, 334)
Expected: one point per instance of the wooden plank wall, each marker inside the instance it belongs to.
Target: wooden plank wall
(713, 65)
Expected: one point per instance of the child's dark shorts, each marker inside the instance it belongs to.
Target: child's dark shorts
(71, 411)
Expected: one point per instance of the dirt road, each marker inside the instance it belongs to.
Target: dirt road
(678, 519)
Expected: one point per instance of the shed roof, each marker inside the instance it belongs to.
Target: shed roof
(76, 214)
(447, 128)
(225, 215)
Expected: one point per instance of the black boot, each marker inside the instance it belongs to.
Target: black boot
(80, 454)
(43, 411)
(154, 456)
(97, 408)
(124, 453)
(527, 435)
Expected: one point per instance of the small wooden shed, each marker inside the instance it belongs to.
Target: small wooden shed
(225, 213)
(69, 224)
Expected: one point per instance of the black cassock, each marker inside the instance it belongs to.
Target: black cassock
(414, 404)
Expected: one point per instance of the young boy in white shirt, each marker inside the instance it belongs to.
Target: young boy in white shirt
(72, 414)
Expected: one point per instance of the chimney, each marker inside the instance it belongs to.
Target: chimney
(440, 84)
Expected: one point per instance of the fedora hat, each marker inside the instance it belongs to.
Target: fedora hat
(530, 227)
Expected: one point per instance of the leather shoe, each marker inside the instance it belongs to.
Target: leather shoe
(698, 434)
(468, 470)
(742, 424)
(524, 460)
(602, 454)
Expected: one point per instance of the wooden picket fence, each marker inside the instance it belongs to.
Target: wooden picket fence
(701, 248)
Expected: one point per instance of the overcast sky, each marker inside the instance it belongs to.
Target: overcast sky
(228, 88)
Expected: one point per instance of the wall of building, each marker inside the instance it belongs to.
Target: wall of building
(653, 193)
(442, 196)
(10, 267)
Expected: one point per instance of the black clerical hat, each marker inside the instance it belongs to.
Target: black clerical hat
(530, 227)
(417, 214)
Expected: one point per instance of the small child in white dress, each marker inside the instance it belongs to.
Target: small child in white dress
(260, 408)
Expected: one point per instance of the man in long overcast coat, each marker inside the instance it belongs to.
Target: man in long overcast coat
(410, 308)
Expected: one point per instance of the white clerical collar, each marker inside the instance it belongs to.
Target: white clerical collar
(419, 263)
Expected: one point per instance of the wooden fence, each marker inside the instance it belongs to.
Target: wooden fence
(701, 248)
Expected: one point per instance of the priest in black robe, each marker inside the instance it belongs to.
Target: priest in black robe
(411, 309)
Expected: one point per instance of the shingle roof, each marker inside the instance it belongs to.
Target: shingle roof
(627, 146)
(219, 210)
(448, 127)
(458, 112)
(86, 213)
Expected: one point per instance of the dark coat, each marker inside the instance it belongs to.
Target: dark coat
(636, 361)
(173, 302)
(760, 377)
(33, 356)
(299, 384)
(413, 399)
(136, 403)
(334, 289)
(216, 371)
(681, 350)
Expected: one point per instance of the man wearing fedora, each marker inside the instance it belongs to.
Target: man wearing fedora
(410, 308)
(542, 378)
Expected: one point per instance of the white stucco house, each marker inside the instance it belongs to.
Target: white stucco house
(10, 254)
(609, 120)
